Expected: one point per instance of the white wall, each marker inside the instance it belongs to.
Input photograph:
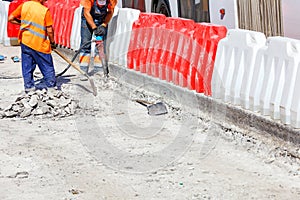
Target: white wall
(230, 19)
(291, 18)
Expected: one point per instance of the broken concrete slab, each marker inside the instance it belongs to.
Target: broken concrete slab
(40, 102)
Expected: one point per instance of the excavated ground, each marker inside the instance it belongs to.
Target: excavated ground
(77, 146)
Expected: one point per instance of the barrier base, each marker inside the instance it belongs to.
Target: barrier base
(11, 42)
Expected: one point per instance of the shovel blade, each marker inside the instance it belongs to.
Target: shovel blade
(157, 109)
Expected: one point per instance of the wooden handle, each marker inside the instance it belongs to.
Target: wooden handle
(68, 61)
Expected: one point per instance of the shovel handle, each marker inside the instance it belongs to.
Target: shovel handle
(68, 61)
(143, 102)
(78, 69)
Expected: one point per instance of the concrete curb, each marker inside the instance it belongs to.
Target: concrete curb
(235, 115)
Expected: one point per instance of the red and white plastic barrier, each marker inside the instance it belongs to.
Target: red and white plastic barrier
(174, 49)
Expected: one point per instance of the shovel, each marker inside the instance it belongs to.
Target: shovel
(78, 69)
(154, 108)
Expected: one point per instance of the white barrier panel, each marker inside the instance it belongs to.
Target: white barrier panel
(295, 106)
(4, 5)
(291, 86)
(75, 34)
(274, 77)
(234, 65)
(224, 12)
(120, 43)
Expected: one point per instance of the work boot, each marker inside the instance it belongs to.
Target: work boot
(27, 90)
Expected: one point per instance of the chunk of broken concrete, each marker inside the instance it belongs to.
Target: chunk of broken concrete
(33, 101)
(26, 112)
(10, 113)
(17, 108)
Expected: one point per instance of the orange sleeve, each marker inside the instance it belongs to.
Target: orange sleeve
(112, 4)
(17, 13)
(48, 19)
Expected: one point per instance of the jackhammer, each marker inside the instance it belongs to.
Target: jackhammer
(99, 43)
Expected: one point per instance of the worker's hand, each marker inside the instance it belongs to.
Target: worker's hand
(100, 30)
(53, 45)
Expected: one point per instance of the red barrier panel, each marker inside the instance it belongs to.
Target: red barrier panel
(143, 40)
(13, 29)
(66, 23)
(63, 14)
(215, 34)
(151, 26)
(207, 36)
(182, 60)
(197, 52)
(171, 64)
(136, 42)
(156, 24)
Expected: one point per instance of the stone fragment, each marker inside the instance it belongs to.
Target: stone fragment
(17, 108)
(2, 114)
(52, 103)
(10, 113)
(45, 109)
(33, 101)
(64, 102)
(72, 107)
(42, 104)
(37, 111)
(68, 110)
(8, 107)
(26, 112)
(25, 103)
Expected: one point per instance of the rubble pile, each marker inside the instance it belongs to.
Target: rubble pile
(41, 102)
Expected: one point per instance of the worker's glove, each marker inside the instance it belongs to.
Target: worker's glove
(53, 45)
(100, 30)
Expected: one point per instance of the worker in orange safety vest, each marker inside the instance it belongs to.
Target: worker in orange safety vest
(95, 17)
(36, 37)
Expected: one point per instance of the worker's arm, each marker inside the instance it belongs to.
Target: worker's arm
(14, 20)
(108, 17)
(49, 27)
(15, 16)
(50, 33)
(87, 5)
(110, 12)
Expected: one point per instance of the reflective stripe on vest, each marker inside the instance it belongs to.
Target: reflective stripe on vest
(32, 31)
(34, 28)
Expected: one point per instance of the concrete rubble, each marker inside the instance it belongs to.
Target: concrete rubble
(53, 103)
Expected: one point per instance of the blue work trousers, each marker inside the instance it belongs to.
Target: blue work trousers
(31, 58)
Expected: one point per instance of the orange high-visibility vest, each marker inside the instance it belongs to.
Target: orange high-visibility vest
(33, 30)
